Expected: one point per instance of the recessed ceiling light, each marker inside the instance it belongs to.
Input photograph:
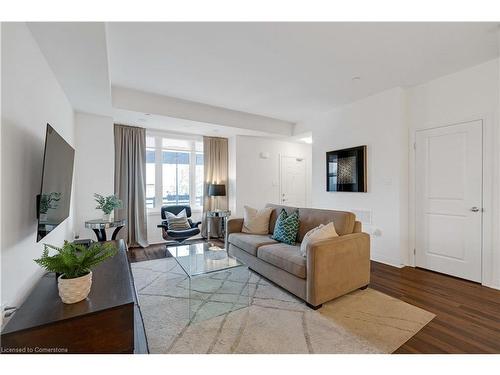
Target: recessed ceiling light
(147, 114)
(356, 79)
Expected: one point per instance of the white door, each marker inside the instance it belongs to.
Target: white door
(449, 199)
(293, 181)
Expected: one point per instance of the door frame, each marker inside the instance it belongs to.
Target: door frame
(280, 179)
(487, 255)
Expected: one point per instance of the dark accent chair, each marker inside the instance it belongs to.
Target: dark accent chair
(178, 235)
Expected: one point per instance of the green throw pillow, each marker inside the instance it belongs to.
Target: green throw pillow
(287, 227)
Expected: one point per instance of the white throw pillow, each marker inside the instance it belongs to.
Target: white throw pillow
(174, 216)
(256, 221)
(322, 232)
(178, 222)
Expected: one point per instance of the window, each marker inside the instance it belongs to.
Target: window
(174, 171)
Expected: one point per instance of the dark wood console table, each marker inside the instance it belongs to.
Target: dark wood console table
(108, 321)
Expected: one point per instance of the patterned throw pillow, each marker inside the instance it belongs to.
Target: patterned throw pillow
(287, 227)
(178, 222)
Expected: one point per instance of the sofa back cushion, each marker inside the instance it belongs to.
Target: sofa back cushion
(256, 221)
(313, 217)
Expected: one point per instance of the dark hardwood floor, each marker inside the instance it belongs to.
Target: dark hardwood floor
(467, 314)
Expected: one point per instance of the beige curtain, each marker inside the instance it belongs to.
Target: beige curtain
(130, 182)
(215, 156)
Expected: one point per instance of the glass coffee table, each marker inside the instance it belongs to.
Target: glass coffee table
(216, 282)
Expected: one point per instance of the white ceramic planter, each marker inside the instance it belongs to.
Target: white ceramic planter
(108, 217)
(74, 290)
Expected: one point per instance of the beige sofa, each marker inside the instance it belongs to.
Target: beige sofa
(330, 269)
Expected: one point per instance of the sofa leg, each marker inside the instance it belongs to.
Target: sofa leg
(313, 307)
(364, 287)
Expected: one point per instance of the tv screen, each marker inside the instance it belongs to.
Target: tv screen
(57, 176)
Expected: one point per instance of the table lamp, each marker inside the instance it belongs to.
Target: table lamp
(216, 190)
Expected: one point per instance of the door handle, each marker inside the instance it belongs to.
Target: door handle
(475, 209)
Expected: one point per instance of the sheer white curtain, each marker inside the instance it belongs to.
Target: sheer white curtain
(215, 156)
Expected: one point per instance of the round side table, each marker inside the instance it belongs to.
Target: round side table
(218, 213)
(99, 227)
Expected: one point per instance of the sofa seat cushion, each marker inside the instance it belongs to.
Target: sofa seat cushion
(284, 256)
(250, 242)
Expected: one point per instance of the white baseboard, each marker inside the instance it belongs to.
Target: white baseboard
(385, 260)
(492, 286)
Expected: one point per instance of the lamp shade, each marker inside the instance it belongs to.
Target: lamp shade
(216, 190)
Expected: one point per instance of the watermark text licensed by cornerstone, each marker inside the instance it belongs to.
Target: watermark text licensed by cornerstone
(32, 350)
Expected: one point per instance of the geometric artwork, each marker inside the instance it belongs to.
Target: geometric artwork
(346, 170)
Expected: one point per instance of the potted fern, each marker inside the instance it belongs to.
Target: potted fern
(74, 263)
(107, 204)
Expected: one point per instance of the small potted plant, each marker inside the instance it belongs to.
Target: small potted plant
(74, 263)
(107, 204)
(48, 202)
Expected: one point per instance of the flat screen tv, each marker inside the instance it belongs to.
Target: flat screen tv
(53, 202)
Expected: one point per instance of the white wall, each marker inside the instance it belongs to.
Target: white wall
(387, 122)
(378, 122)
(256, 180)
(94, 167)
(470, 94)
(31, 98)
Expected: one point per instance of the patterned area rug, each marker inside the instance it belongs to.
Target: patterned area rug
(235, 314)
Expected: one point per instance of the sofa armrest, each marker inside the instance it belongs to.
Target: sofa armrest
(358, 227)
(234, 225)
(337, 266)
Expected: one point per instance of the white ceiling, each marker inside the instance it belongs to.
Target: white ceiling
(289, 71)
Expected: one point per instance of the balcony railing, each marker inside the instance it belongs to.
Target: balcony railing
(173, 200)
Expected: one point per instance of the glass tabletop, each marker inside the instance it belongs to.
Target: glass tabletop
(219, 213)
(198, 259)
(104, 224)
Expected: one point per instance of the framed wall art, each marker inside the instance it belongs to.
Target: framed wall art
(346, 170)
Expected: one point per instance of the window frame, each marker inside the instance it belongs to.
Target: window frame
(158, 147)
